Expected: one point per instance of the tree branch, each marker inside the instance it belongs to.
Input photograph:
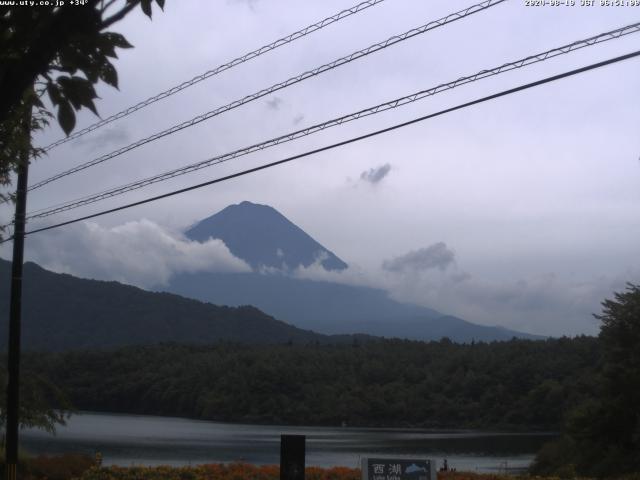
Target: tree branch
(104, 7)
(116, 17)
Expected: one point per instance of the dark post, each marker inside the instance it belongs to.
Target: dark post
(292, 455)
(15, 311)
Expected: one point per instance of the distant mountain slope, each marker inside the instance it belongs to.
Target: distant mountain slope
(262, 236)
(64, 312)
(332, 308)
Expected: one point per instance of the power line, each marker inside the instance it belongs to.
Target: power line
(279, 86)
(344, 142)
(219, 69)
(532, 59)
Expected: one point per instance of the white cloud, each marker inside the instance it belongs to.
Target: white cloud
(141, 253)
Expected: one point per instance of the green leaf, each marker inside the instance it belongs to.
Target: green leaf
(37, 102)
(86, 100)
(66, 117)
(160, 4)
(117, 40)
(92, 73)
(106, 46)
(54, 93)
(70, 59)
(146, 7)
(79, 91)
(109, 75)
(108, 49)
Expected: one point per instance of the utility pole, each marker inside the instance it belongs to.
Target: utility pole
(15, 309)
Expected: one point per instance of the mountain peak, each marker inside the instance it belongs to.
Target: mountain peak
(247, 204)
(263, 237)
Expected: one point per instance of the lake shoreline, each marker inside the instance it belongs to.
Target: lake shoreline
(126, 440)
(498, 429)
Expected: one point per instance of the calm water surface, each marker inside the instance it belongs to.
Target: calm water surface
(147, 440)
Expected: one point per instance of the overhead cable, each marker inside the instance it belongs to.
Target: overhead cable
(532, 59)
(342, 143)
(219, 69)
(278, 86)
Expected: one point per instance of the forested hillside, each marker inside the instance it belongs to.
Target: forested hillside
(62, 312)
(516, 384)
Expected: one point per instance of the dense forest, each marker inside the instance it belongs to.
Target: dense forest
(517, 384)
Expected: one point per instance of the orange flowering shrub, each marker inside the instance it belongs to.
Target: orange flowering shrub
(231, 471)
(61, 467)
(334, 473)
(473, 476)
(493, 476)
(82, 468)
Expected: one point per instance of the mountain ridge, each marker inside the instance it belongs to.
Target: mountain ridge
(63, 312)
(332, 308)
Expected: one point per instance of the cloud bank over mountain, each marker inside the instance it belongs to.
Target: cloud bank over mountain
(144, 254)
(431, 276)
(140, 253)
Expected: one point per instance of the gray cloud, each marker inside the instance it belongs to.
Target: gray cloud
(111, 137)
(434, 256)
(545, 304)
(540, 304)
(139, 253)
(275, 103)
(298, 118)
(375, 175)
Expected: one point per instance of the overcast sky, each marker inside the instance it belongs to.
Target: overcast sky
(520, 212)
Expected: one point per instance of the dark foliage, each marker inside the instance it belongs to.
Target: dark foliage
(42, 404)
(57, 52)
(517, 384)
(602, 436)
(66, 48)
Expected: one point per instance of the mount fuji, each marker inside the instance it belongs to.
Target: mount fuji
(274, 246)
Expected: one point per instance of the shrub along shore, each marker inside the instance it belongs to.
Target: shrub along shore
(82, 467)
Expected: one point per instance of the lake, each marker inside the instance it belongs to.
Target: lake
(148, 440)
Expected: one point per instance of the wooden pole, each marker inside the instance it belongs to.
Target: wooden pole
(15, 313)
